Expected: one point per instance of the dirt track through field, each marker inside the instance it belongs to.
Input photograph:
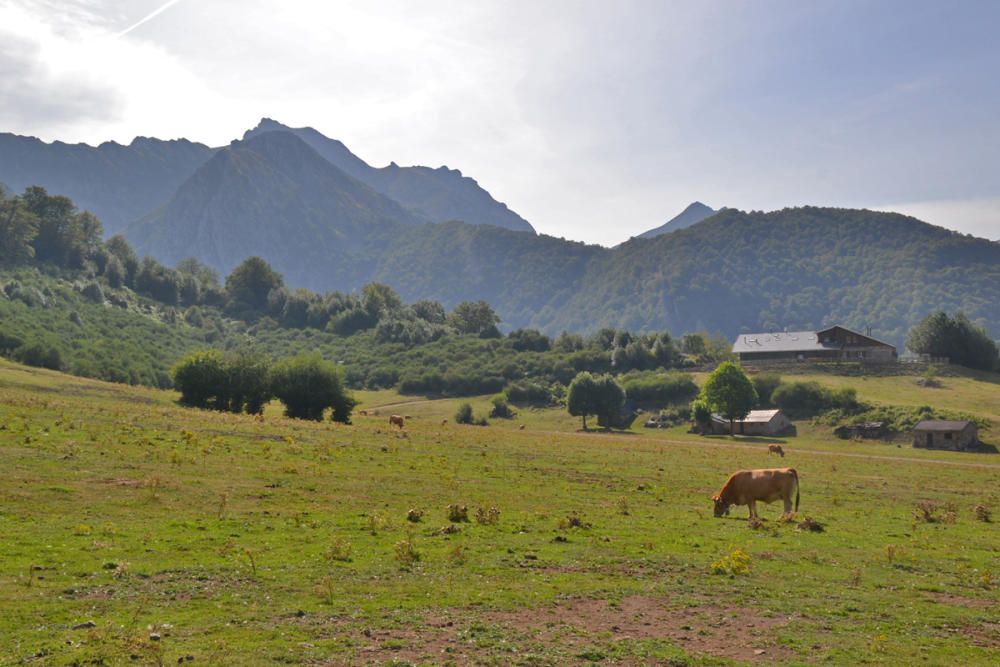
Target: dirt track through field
(819, 452)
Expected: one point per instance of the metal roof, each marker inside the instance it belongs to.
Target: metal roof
(788, 341)
(754, 417)
(792, 341)
(941, 425)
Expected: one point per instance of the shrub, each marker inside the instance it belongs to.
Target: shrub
(458, 513)
(737, 562)
(501, 410)
(464, 414)
(807, 399)
(41, 355)
(654, 390)
(765, 384)
(529, 393)
(92, 292)
(201, 378)
(308, 385)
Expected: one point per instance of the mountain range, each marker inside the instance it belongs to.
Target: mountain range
(327, 220)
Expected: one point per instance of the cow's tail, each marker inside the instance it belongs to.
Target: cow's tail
(796, 475)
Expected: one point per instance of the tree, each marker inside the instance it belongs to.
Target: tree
(201, 378)
(429, 311)
(380, 300)
(18, 228)
(249, 381)
(589, 395)
(308, 385)
(729, 392)
(157, 281)
(250, 283)
(963, 342)
(66, 237)
(475, 317)
(120, 248)
(581, 397)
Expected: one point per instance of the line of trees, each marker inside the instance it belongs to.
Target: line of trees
(955, 337)
(307, 385)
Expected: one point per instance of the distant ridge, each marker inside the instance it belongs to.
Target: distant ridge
(692, 215)
(117, 183)
(439, 195)
(274, 196)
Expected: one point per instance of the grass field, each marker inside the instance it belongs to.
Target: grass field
(135, 531)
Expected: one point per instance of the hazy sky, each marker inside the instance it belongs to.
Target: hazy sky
(594, 120)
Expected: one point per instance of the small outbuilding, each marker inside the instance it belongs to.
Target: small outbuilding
(758, 422)
(943, 434)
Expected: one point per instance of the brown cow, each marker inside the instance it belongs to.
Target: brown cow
(396, 420)
(444, 422)
(775, 449)
(746, 487)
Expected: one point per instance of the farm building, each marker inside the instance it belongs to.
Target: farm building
(758, 422)
(941, 434)
(836, 343)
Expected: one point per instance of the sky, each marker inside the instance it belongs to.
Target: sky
(594, 120)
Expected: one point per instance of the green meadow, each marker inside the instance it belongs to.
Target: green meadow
(135, 531)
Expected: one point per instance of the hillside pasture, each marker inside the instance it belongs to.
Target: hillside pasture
(134, 530)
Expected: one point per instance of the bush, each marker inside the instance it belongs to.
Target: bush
(308, 385)
(654, 390)
(201, 377)
(93, 292)
(529, 393)
(41, 355)
(464, 414)
(765, 384)
(501, 410)
(808, 399)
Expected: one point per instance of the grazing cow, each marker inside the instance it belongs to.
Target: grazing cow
(444, 422)
(521, 427)
(746, 487)
(396, 420)
(363, 413)
(775, 449)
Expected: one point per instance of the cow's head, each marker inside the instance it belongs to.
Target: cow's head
(721, 506)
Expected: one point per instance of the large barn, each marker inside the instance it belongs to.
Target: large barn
(836, 343)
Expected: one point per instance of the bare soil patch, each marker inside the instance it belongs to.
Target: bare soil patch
(471, 637)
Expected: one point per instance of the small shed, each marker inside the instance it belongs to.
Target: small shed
(758, 422)
(943, 434)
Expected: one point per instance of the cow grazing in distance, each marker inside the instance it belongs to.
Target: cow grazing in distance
(521, 427)
(746, 487)
(396, 420)
(775, 449)
(444, 422)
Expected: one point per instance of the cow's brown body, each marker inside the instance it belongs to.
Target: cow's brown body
(396, 420)
(775, 449)
(746, 487)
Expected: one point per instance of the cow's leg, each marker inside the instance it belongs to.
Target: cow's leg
(753, 509)
(788, 504)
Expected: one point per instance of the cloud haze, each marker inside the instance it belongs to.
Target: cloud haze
(593, 121)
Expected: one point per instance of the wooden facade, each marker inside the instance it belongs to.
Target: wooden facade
(835, 343)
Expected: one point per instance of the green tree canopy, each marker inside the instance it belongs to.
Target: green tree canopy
(18, 229)
(599, 395)
(308, 385)
(250, 283)
(729, 392)
(475, 317)
(963, 342)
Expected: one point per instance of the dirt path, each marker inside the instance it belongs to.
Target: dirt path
(818, 452)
